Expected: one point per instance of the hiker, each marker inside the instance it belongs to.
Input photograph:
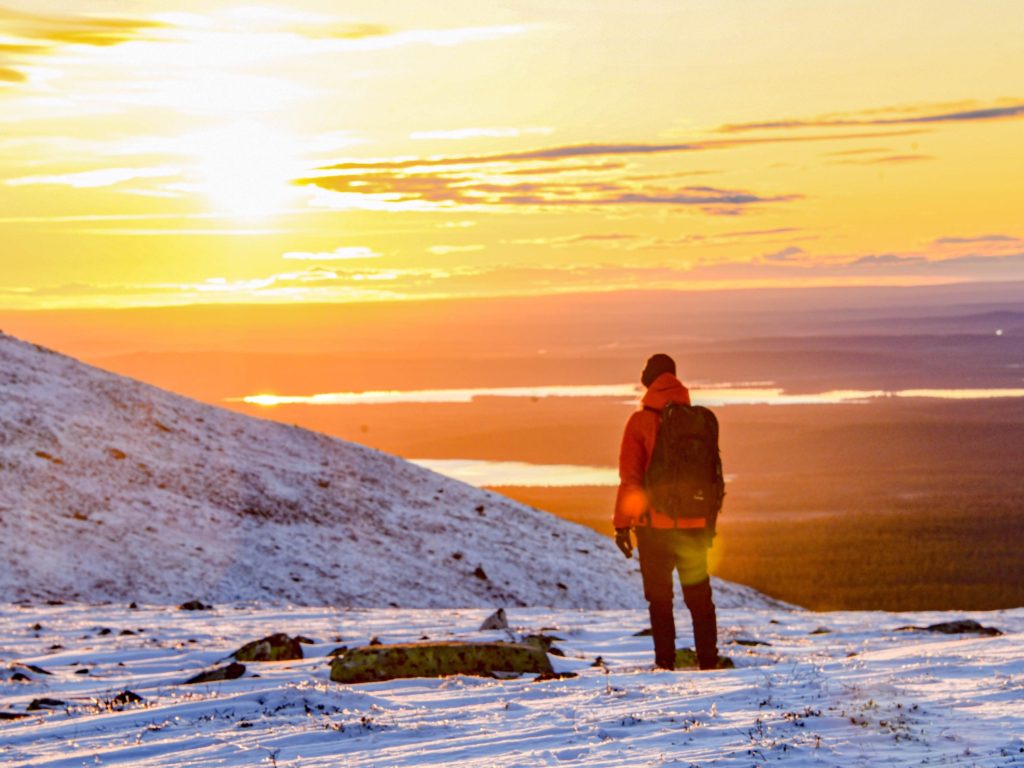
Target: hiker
(666, 543)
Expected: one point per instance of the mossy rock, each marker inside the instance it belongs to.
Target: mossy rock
(232, 671)
(277, 647)
(437, 659)
(686, 658)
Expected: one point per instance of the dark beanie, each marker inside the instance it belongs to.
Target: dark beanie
(657, 365)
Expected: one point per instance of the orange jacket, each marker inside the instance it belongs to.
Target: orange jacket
(631, 505)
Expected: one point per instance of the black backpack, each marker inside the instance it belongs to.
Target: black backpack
(684, 477)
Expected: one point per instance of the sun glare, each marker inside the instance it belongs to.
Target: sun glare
(245, 169)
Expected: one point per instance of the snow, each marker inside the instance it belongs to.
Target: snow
(111, 489)
(862, 694)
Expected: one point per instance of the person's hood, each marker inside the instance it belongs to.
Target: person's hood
(664, 390)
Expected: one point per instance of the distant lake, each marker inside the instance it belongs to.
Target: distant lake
(716, 395)
(521, 473)
(494, 473)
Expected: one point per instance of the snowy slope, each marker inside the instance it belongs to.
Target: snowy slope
(111, 489)
(863, 694)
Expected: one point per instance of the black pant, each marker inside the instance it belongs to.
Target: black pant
(663, 552)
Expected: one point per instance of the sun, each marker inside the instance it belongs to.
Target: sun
(245, 169)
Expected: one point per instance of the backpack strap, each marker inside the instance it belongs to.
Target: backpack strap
(652, 409)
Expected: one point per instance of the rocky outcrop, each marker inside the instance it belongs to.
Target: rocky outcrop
(957, 627)
(497, 620)
(686, 658)
(437, 659)
(276, 647)
(230, 672)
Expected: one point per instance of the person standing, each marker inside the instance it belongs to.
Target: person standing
(665, 543)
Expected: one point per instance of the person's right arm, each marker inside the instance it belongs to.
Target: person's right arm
(631, 500)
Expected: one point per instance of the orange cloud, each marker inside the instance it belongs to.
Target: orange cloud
(920, 115)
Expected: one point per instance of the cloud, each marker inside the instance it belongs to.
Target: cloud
(610, 238)
(470, 189)
(573, 151)
(102, 177)
(330, 36)
(449, 181)
(444, 250)
(636, 242)
(340, 253)
(874, 260)
(75, 29)
(975, 240)
(890, 116)
(792, 253)
(20, 48)
(860, 151)
(885, 160)
(27, 36)
(458, 134)
(353, 284)
(334, 31)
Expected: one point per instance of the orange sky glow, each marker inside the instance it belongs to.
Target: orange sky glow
(157, 153)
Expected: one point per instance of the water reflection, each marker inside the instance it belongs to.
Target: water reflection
(379, 397)
(495, 473)
(712, 395)
(520, 473)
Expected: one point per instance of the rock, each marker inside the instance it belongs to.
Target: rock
(480, 573)
(124, 698)
(305, 640)
(496, 620)
(338, 651)
(958, 627)
(545, 643)
(747, 641)
(33, 668)
(437, 659)
(643, 633)
(963, 626)
(194, 605)
(44, 703)
(230, 672)
(821, 631)
(276, 647)
(686, 658)
(544, 676)
(12, 715)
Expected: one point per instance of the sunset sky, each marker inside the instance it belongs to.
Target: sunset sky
(165, 152)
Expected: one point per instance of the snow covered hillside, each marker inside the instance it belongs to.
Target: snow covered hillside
(102, 685)
(111, 489)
